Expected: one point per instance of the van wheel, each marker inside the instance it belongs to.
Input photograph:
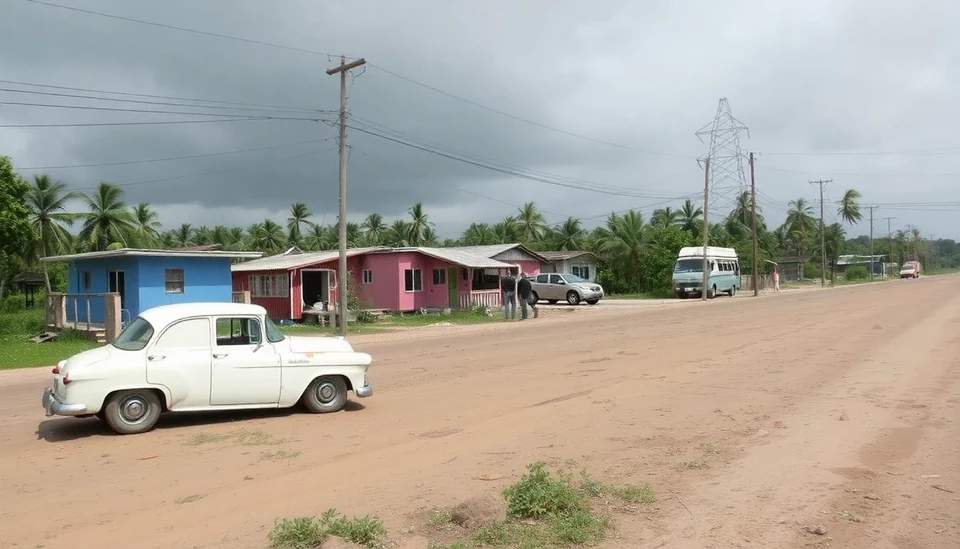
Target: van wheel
(132, 412)
(326, 394)
(733, 291)
(573, 298)
(712, 292)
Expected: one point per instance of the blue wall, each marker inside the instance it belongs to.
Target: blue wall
(205, 279)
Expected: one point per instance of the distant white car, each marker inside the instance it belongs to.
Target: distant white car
(201, 357)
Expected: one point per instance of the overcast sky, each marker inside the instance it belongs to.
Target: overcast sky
(611, 93)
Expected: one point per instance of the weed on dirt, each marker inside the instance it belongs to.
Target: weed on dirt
(189, 499)
(279, 455)
(311, 532)
(242, 437)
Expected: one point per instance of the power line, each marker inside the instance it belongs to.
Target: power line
(221, 104)
(221, 170)
(182, 29)
(942, 150)
(155, 111)
(167, 159)
(152, 123)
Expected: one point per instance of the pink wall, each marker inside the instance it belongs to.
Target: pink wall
(384, 291)
(530, 267)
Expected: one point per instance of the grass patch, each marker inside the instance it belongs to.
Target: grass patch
(315, 330)
(441, 517)
(279, 455)
(311, 532)
(238, 438)
(189, 499)
(630, 493)
(695, 464)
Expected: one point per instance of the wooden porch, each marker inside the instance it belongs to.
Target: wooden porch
(99, 316)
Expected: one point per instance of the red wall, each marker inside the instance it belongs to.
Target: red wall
(277, 307)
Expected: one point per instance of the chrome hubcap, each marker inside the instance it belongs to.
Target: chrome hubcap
(133, 410)
(326, 392)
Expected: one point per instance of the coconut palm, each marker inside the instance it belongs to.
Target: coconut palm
(849, 209)
(400, 234)
(374, 229)
(47, 200)
(568, 235)
(478, 234)
(147, 227)
(665, 217)
(531, 225)
(691, 217)
(419, 225)
(108, 220)
(299, 217)
(621, 240)
(506, 231)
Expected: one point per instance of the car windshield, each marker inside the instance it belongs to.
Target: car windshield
(689, 266)
(907, 267)
(134, 336)
(573, 279)
(274, 335)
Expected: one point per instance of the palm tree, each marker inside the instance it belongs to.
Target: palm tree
(183, 236)
(849, 209)
(478, 234)
(320, 238)
(800, 224)
(691, 217)
(419, 225)
(203, 236)
(665, 217)
(108, 221)
(47, 201)
(531, 225)
(568, 235)
(622, 240)
(147, 226)
(299, 216)
(374, 229)
(400, 234)
(507, 231)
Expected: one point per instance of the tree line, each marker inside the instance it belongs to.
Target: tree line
(637, 254)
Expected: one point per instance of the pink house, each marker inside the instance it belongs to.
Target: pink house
(394, 279)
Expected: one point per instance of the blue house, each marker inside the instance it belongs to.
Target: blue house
(144, 279)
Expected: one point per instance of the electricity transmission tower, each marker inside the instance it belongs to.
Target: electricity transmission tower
(726, 157)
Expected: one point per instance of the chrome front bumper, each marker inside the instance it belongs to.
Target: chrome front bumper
(365, 391)
(54, 407)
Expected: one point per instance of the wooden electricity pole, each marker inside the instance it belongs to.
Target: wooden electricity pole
(823, 238)
(706, 228)
(871, 239)
(342, 69)
(755, 279)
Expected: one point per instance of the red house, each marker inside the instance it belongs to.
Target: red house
(394, 279)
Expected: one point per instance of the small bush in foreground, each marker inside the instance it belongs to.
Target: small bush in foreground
(857, 272)
(311, 532)
(539, 494)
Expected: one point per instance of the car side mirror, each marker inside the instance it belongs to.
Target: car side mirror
(562, 282)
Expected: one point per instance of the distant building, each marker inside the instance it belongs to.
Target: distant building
(579, 263)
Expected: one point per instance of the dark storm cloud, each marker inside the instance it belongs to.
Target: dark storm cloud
(833, 76)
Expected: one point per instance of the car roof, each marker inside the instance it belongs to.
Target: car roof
(165, 314)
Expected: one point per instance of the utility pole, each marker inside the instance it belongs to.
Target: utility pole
(706, 228)
(930, 251)
(755, 279)
(342, 70)
(889, 235)
(871, 239)
(823, 238)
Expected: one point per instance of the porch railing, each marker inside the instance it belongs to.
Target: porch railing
(481, 298)
(241, 297)
(85, 312)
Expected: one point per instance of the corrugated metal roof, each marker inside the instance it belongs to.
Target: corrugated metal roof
(142, 252)
(490, 250)
(282, 262)
(459, 256)
(565, 255)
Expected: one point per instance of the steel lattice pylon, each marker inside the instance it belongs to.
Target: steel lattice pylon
(727, 178)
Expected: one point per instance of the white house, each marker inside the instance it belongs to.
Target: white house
(582, 264)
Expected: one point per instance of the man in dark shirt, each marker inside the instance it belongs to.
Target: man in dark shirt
(509, 286)
(525, 291)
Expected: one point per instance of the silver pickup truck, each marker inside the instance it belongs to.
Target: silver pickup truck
(554, 287)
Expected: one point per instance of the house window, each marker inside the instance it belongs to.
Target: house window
(86, 281)
(367, 276)
(412, 280)
(583, 271)
(276, 285)
(439, 277)
(173, 279)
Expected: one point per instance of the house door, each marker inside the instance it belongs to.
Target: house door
(453, 287)
(116, 285)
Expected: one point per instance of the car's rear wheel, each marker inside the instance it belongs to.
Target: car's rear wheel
(132, 412)
(573, 298)
(534, 297)
(326, 394)
(593, 301)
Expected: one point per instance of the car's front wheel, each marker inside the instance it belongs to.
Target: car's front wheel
(132, 412)
(593, 301)
(326, 394)
(573, 298)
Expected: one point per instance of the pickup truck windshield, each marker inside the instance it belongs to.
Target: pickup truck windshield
(274, 335)
(134, 336)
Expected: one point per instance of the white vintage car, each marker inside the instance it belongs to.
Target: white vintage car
(201, 357)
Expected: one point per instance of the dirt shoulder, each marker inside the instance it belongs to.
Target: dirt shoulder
(743, 424)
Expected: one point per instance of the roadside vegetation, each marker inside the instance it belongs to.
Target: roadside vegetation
(541, 510)
(18, 325)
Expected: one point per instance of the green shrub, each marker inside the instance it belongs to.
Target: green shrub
(811, 270)
(539, 494)
(857, 272)
(27, 322)
(311, 532)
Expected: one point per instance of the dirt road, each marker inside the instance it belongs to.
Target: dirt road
(834, 407)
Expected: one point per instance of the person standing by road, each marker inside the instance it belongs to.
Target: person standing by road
(509, 286)
(525, 293)
(776, 279)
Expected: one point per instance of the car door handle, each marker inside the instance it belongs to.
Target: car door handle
(220, 355)
(155, 358)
